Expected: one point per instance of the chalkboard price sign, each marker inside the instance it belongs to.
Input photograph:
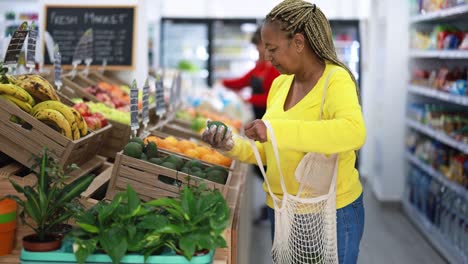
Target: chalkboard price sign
(112, 37)
(16, 44)
(134, 121)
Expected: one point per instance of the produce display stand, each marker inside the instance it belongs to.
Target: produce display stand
(148, 179)
(118, 136)
(22, 142)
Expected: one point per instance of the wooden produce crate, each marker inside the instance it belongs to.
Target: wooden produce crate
(74, 88)
(99, 77)
(146, 177)
(115, 141)
(98, 188)
(22, 142)
(180, 131)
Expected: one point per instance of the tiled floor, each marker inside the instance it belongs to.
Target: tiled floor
(389, 237)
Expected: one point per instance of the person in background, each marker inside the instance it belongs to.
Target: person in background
(259, 79)
(298, 42)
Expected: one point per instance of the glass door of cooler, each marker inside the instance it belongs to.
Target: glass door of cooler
(233, 54)
(347, 44)
(185, 46)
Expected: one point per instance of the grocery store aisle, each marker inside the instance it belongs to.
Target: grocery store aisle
(389, 237)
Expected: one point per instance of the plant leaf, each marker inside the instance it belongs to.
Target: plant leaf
(153, 222)
(74, 189)
(134, 203)
(188, 203)
(88, 227)
(106, 210)
(85, 248)
(17, 187)
(187, 245)
(114, 242)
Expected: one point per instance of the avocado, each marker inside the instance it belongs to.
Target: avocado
(138, 140)
(178, 162)
(193, 163)
(199, 174)
(217, 168)
(133, 149)
(196, 169)
(144, 157)
(218, 124)
(169, 165)
(186, 170)
(157, 161)
(151, 150)
(216, 176)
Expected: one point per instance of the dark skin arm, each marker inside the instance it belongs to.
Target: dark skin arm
(256, 130)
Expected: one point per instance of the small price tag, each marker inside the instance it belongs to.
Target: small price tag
(57, 68)
(88, 49)
(103, 66)
(31, 50)
(159, 93)
(173, 95)
(134, 122)
(145, 110)
(16, 45)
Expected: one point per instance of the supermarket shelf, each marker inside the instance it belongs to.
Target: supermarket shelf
(439, 241)
(453, 186)
(448, 13)
(440, 54)
(439, 136)
(443, 96)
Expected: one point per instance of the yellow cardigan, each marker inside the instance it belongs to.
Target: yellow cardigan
(299, 131)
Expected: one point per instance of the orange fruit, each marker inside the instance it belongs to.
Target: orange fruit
(171, 140)
(202, 151)
(211, 158)
(173, 149)
(184, 145)
(191, 153)
(150, 139)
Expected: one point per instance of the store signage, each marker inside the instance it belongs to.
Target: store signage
(16, 45)
(113, 31)
(134, 122)
(160, 103)
(31, 50)
(179, 87)
(145, 110)
(57, 68)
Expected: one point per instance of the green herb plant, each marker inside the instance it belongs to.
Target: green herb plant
(50, 203)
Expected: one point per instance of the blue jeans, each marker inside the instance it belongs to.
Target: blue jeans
(349, 228)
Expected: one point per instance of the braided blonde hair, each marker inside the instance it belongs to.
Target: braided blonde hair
(297, 16)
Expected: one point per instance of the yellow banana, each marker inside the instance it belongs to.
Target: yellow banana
(38, 87)
(17, 92)
(76, 134)
(55, 119)
(23, 105)
(65, 110)
(81, 123)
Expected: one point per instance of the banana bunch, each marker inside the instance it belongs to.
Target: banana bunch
(62, 118)
(38, 87)
(16, 94)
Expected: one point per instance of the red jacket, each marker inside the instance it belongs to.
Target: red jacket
(262, 70)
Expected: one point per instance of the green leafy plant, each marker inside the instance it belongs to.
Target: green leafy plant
(191, 223)
(50, 203)
(198, 219)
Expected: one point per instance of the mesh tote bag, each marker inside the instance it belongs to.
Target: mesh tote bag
(305, 223)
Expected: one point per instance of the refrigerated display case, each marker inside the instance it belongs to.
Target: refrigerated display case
(215, 48)
(222, 48)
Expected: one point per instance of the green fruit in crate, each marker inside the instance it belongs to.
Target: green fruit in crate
(133, 149)
(217, 168)
(198, 124)
(199, 174)
(193, 163)
(144, 157)
(138, 140)
(196, 169)
(178, 162)
(216, 176)
(218, 124)
(151, 150)
(156, 161)
(169, 165)
(186, 170)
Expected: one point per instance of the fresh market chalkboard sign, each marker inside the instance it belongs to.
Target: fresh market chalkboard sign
(113, 33)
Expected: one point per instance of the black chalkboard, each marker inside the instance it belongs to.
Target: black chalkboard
(113, 33)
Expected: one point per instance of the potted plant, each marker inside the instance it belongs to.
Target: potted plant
(48, 205)
(198, 220)
(192, 223)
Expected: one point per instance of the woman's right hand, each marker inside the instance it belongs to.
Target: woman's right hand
(214, 135)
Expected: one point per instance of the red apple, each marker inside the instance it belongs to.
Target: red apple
(83, 109)
(92, 122)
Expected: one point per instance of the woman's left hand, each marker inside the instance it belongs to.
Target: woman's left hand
(256, 130)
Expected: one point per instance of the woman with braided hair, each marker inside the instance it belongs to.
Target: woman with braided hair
(312, 107)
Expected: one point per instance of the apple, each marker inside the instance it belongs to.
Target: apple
(93, 122)
(83, 109)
